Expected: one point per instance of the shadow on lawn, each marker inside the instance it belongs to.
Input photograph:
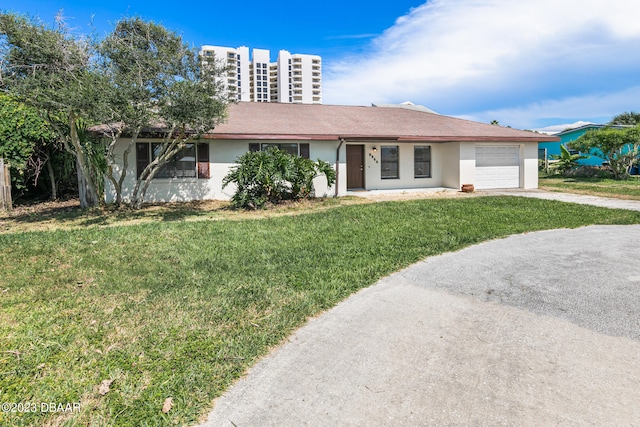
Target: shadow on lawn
(69, 213)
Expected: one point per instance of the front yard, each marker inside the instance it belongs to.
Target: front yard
(621, 189)
(120, 318)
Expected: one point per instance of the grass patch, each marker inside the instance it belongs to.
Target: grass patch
(50, 216)
(628, 189)
(181, 309)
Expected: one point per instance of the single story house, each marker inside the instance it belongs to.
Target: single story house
(370, 147)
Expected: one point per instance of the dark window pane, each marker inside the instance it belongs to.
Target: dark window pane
(167, 170)
(389, 162)
(203, 161)
(422, 161)
(185, 162)
(304, 150)
(142, 157)
(180, 165)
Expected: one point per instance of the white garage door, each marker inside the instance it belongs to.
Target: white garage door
(497, 166)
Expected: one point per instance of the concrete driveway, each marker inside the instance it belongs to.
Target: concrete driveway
(535, 329)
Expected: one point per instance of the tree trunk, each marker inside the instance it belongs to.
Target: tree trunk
(143, 192)
(86, 187)
(52, 178)
(85, 199)
(125, 166)
(110, 157)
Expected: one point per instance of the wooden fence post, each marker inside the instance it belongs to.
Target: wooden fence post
(5, 187)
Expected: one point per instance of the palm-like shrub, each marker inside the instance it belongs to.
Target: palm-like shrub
(565, 160)
(273, 175)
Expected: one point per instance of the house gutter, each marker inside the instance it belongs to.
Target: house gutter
(338, 165)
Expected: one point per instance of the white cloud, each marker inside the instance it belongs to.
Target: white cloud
(550, 130)
(594, 107)
(468, 56)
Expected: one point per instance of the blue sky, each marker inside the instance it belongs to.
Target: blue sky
(527, 63)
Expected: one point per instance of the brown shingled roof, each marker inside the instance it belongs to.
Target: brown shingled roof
(262, 120)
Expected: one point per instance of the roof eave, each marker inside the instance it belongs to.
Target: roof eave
(364, 138)
(261, 136)
(535, 138)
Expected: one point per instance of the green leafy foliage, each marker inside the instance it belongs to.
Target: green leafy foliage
(26, 141)
(273, 175)
(20, 129)
(620, 147)
(46, 67)
(565, 160)
(51, 69)
(155, 78)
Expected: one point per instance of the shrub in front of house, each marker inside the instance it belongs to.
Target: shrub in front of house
(271, 176)
(565, 161)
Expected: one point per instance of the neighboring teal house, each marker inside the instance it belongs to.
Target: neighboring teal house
(566, 136)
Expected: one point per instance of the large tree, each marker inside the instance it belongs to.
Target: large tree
(619, 147)
(157, 82)
(51, 70)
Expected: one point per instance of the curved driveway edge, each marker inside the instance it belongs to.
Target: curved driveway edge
(535, 329)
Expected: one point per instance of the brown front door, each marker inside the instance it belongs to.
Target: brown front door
(355, 166)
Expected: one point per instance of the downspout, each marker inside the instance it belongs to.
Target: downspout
(338, 165)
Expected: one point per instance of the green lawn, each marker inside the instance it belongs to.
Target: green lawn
(621, 189)
(181, 309)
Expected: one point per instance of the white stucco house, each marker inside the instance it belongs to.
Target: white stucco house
(370, 147)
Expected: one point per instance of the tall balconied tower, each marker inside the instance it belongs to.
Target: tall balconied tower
(293, 78)
(302, 82)
(236, 79)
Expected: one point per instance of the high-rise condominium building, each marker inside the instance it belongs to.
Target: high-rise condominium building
(236, 61)
(294, 78)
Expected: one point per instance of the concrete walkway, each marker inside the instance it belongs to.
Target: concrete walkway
(419, 193)
(535, 329)
(604, 202)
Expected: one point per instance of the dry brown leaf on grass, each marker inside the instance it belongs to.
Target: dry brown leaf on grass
(168, 404)
(104, 387)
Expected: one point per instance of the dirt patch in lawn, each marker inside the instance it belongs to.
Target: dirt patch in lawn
(383, 196)
(67, 214)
